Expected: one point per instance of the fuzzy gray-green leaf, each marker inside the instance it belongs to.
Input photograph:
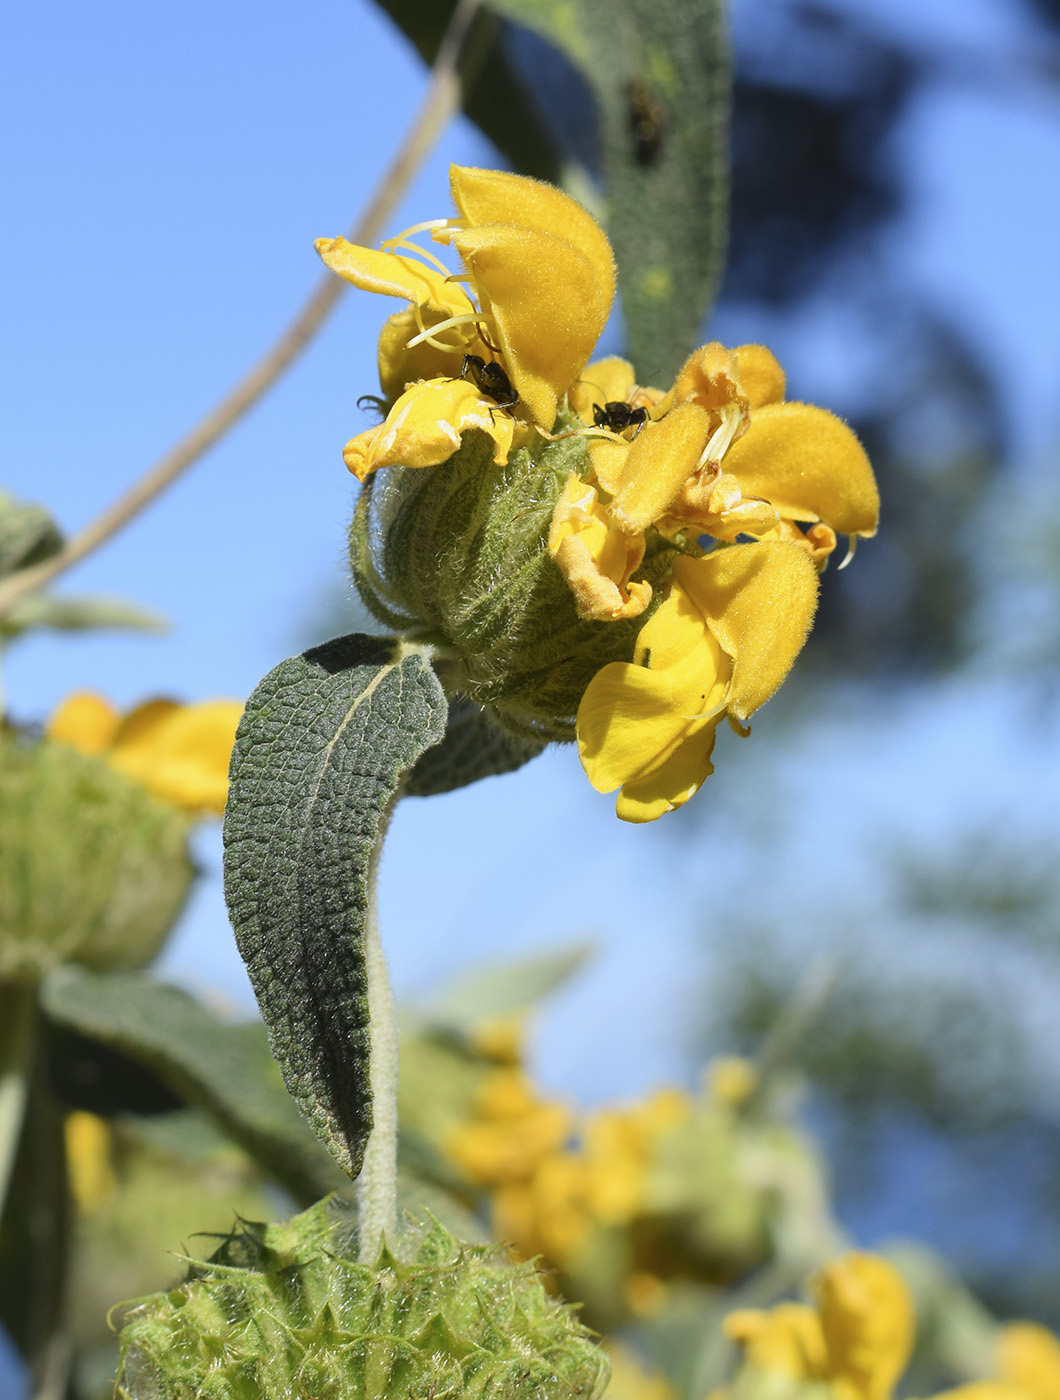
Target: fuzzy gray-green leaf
(28, 535)
(320, 755)
(474, 747)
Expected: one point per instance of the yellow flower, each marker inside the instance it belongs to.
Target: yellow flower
(542, 277)
(179, 752)
(723, 456)
(720, 644)
(858, 1337)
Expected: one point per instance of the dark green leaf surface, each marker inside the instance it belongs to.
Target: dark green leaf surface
(320, 754)
(659, 70)
(474, 747)
(224, 1069)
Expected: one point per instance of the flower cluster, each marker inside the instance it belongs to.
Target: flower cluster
(857, 1337)
(692, 523)
(178, 752)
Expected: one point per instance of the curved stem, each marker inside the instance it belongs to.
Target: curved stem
(440, 102)
(377, 1182)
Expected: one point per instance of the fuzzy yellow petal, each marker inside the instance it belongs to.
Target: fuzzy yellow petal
(424, 426)
(497, 197)
(608, 460)
(543, 302)
(760, 375)
(674, 781)
(759, 600)
(604, 381)
(596, 559)
(810, 465)
(391, 275)
(181, 752)
(85, 721)
(626, 718)
(868, 1323)
(400, 366)
(661, 459)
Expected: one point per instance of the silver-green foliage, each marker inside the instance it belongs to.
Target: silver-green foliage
(285, 1311)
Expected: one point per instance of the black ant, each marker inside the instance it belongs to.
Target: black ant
(490, 379)
(617, 415)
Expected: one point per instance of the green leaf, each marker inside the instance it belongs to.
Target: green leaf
(78, 613)
(320, 755)
(28, 535)
(474, 747)
(659, 70)
(493, 98)
(498, 989)
(223, 1069)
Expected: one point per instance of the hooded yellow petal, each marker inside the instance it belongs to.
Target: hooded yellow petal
(868, 1323)
(543, 301)
(662, 457)
(761, 377)
(710, 378)
(423, 428)
(497, 197)
(85, 721)
(759, 600)
(181, 753)
(809, 464)
(392, 275)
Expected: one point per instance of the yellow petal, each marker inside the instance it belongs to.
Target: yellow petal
(603, 381)
(709, 377)
(661, 459)
(761, 377)
(183, 754)
(423, 428)
(85, 720)
(497, 197)
(596, 559)
(608, 461)
(809, 464)
(787, 1340)
(543, 301)
(391, 275)
(674, 781)
(759, 600)
(400, 366)
(1028, 1355)
(626, 720)
(868, 1323)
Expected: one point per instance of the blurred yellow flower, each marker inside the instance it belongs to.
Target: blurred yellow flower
(539, 281)
(179, 752)
(88, 1156)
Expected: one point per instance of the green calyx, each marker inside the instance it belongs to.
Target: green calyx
(93, 868)
(285, 1310)
(457, 555)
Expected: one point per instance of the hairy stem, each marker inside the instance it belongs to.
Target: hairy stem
(377, 1182)
(440, 102)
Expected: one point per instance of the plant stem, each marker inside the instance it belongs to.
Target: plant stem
(439, 103)
(17, 1014)
(377, 1182)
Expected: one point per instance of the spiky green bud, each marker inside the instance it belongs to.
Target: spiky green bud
(284, 1311)
(457, 555)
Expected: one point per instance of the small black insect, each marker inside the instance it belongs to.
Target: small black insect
(489, 379)
(647, 119)
(616, 415)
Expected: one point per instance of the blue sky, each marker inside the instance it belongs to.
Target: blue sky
(171, 169)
